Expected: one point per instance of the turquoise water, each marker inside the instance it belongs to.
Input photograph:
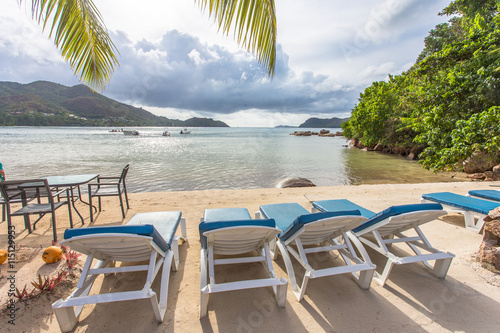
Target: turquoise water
(208, 158)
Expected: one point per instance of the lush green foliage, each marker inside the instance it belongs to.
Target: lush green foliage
(448, 101)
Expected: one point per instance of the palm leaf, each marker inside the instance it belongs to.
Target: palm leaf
(79, 32)
(254, 23)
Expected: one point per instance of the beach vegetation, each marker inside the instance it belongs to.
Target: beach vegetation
(447, 103)
(78, 30)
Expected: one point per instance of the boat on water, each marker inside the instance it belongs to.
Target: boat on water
(166, 133)
(185, 131)
(130, 132)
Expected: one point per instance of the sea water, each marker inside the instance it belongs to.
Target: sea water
(208, 158)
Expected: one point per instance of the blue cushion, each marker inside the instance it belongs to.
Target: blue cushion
(486, 194)
(397, 210)
(208, 226)
(226, 214)
(161, 226)
(283, 213)
(142, 230)
(308, 218)
(462, 202)
(341, 205)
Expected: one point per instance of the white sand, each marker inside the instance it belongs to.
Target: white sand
(413, 300)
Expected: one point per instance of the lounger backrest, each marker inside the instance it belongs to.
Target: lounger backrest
(237, 236)
(401, 218)
(321, 226)
(240, 239)
(139, 230)
(116, 247)
(327, 229)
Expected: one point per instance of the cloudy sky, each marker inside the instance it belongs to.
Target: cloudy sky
(175, 63)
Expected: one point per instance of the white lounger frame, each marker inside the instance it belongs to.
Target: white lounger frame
(110, 248)
(380, 237)
(469, 216)
(234, 241)
(332, 234)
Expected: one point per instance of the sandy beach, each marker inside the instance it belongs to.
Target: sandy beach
(413, 300)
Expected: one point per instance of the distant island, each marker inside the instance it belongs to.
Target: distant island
(318, 123)
(323, 123)
(44, 103)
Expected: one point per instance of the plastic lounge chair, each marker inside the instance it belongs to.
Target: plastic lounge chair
(329, 232)
(385, 228)
(146, 237)
(109, 186)
(231, 232)
(491, 195)
(24, 192)
(470, 208)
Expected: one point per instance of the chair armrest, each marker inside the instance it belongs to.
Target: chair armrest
(17, 194)
(100, 184)
(108, 177)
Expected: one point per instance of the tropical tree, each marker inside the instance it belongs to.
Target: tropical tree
(448, 103)
(78, 30)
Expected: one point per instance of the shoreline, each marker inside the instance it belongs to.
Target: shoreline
(412, 300)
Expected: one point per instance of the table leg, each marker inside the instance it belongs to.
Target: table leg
(73, 202)
(83, 201)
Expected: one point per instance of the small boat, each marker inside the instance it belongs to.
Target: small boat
(166, 133)
(185, 131)
(132, 132)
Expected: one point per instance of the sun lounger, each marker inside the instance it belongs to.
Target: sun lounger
(492, 195)
(147, 236)
(327, 232)
(385, 228)
(228, 233)
(470, 208)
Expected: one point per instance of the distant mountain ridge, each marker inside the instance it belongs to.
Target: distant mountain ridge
(323, 123)
(43, 103)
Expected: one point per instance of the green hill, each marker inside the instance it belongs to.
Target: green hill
(43, 103)
(323, 123)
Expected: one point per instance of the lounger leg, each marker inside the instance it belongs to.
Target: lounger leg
(203, 284)
(441, 267)
(183, 229)
(175, 249)
(382, 278)
(298, 291)
(280, 294)
(66, 317)
(364, 278)
(470, 222)
(165, 277)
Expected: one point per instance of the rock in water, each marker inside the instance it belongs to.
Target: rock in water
(297, 182)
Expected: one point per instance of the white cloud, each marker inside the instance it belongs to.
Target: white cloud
(174, 61)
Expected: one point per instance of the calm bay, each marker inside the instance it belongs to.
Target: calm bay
(208, 158)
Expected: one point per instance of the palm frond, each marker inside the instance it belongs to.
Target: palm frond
(79, 32)
(254, 24)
